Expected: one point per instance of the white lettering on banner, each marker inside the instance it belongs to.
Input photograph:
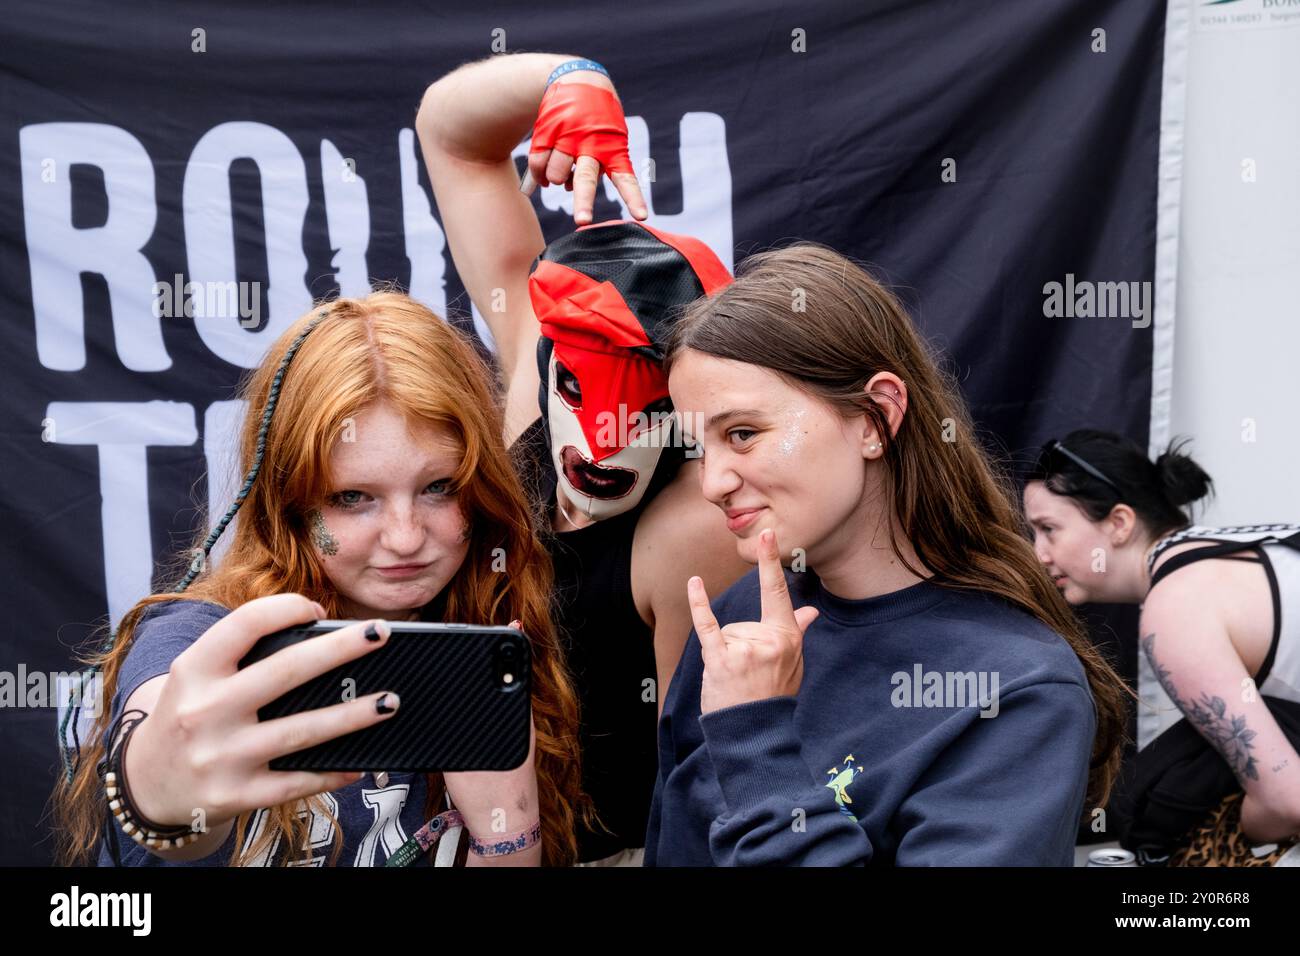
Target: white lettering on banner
(209, 231)
(426, 244)
(221, 424)
(347, 216)
(58, 251)
(123, 431)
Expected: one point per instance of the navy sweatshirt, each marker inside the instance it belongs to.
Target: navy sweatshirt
(883, 756)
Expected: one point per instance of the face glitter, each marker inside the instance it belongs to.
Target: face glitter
(321, 536)
(793, 437)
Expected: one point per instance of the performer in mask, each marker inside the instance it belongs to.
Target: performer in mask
(579, 328)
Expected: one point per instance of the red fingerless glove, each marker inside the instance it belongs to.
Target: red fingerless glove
(583, 120)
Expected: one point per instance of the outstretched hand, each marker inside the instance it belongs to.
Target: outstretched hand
(752, 660)
(203, 746)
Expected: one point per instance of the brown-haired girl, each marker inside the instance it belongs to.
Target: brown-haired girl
(912, 689)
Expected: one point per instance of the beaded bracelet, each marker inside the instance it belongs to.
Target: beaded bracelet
(133, 823)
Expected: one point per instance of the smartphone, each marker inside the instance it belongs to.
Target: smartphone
(464, 692)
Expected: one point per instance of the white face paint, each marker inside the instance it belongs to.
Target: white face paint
(617, 483)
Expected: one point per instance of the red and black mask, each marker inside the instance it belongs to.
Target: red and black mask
(606, 297)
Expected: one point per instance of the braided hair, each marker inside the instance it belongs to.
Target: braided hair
(70, 753)
(398, 352)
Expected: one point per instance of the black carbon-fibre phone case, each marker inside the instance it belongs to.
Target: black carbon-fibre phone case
(457, 711)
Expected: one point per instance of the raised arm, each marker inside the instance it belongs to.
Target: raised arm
(469, 122)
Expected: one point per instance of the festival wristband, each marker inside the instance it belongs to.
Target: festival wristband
(425, 838)
(572, 66)
(428, 836)
(509, 844)
(583, 120)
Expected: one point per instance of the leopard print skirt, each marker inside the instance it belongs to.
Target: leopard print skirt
(1219, 841)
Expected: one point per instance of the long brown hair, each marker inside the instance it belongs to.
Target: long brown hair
(826, 326)
(384, 346)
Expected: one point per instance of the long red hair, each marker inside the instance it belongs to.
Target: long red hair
(388, 347)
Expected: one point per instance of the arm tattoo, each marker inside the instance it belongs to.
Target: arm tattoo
(1228, 732)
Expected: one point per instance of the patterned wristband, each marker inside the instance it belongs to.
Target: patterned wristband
(512, 844)
(572, 66)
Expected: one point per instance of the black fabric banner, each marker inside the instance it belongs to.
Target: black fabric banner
(973, 152)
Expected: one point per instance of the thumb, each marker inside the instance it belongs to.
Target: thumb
(804, 616)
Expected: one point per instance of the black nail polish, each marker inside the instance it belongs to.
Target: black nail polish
(382, 707)
(372, 632)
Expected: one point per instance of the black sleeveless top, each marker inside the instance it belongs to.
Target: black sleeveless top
(610, 655)
(1277, 548)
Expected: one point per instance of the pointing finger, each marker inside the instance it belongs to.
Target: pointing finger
(775, 596)
(630, 190)
(586, 176)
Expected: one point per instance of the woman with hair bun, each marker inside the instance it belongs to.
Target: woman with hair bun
(1220, 618)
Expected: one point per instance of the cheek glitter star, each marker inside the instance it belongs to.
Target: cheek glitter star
(321, 536)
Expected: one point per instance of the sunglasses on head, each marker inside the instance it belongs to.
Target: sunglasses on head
(1057, 447)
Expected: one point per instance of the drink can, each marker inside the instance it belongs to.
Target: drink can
(1111, 856)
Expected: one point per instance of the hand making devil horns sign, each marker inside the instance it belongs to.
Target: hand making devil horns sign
(580, 132)
(752, 660)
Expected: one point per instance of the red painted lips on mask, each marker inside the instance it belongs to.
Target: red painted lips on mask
(596, 481)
